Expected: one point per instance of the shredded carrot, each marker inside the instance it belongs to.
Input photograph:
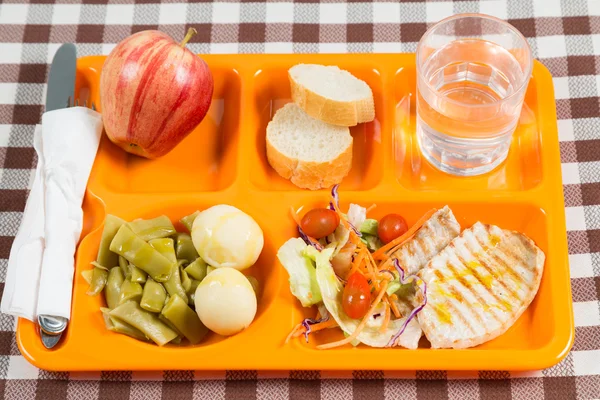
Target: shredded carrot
(331, 323)
(402, 238)
(355, 267)
(393, 297)
(360, 326)
(386, 319)
(394, 306)
(373, 206)
(294, 332)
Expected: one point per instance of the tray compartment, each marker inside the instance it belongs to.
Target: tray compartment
(521, 171)
(204, 161)
(272, 91)
(86, 315)
(531, 329)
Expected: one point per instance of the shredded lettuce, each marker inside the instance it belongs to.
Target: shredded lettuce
(356, 215)
(303, 282)
(401, 290)
(369, 227)
(338, 239)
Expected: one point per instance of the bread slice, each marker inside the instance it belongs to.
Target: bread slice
(309, 152)
(331, 94)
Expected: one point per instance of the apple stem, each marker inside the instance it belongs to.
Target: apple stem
(191, 32)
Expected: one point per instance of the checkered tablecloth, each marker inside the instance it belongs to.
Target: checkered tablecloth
(565, 36)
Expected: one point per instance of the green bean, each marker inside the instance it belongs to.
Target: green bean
(185, 319)
(169, 324)
(254, 283)
(177, 340)
(131, 313)
(188, 220)
(112, 291)
(149, 229)
(130, 291)
(124, 264)
(186, 282)
(166, 247)
(153, 296)
(98, 282)
(197, 269)
(98, 265)
(116, 325)
(141, 254)
(137, 274)
(87, 275)
(191, 292)
(193, 286)
(184, 247)
(173, 285)
(106, 257)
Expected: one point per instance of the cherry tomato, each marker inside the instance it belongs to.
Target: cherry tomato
(356, 298)
(320, 222)
(390, 227)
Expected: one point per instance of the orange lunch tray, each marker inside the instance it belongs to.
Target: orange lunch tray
(224, 161)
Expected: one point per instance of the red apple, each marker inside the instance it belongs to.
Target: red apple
(153, 92)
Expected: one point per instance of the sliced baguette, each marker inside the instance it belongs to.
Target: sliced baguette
(309, 152)
(331, 94)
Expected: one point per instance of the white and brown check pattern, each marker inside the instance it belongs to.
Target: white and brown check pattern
(564, 35)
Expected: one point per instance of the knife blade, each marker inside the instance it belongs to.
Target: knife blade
(61, 79)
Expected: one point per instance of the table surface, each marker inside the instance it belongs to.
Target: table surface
(564, 35)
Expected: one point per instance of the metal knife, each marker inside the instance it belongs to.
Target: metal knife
(61, 89)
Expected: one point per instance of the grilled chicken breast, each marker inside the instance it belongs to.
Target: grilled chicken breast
(479, 285)
(434, 235)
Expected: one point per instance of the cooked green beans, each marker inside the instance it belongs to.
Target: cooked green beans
(112, 291)
(116, 325)
(186, 282)
(137, 274)
(150, 273)
(99, 277)
(141, 254)
(174, 286)
(166, 247)
(149, 229)
(197, 269)
(153, 297)
(124, 264)
(131, 313)
(184, 319)
(87, 275)
(105, 257)
(184, 248)
(188, 220)
(130, 291)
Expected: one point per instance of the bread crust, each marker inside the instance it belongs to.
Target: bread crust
(342, 113)
(310, 174)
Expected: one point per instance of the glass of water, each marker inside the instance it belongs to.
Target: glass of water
(472, 74)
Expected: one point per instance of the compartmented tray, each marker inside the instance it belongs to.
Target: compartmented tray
(224, 161)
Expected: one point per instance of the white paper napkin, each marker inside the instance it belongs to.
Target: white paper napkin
(41, 262)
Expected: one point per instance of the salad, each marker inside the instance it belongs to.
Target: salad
(342, 265)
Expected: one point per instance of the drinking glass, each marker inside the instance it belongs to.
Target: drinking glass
(472, 74)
